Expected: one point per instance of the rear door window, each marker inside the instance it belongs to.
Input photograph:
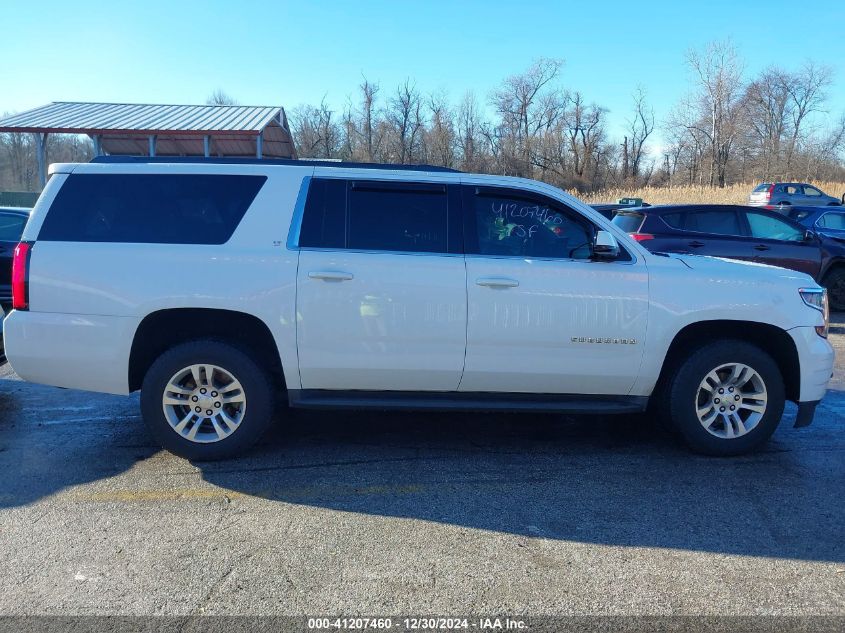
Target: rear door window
(721, 222)
(406, 217)
(372, 215)
(149, 208)
(11, 226)
(798, 214)
(324, 219)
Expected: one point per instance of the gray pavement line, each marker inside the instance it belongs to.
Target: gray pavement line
(92, 419)
(202, 494)
(357, 462)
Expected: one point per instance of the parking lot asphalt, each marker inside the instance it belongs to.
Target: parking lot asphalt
(393, 513)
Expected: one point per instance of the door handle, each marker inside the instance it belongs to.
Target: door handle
(762, 247)
(696, 244)
(330, 275)
(497, 282)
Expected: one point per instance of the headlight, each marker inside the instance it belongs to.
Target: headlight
(817, 298)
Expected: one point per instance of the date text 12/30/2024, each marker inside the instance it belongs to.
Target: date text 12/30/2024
(417, 624)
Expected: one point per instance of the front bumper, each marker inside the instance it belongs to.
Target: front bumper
(815, 358)
(806, 411)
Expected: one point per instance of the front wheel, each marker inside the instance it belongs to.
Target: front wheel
(206, 400)
(727, 398)
(834, 281)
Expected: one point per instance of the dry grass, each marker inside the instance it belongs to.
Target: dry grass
(733, 194)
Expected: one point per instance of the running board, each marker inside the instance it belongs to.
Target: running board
(466, 401)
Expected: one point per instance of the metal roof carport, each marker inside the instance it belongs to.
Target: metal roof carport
(135, 129)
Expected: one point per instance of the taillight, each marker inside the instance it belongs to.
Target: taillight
(769, 192)
(20, 276)
(642, 237)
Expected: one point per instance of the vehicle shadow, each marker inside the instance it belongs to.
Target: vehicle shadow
(609, 481)
(51, 439)
(612, 481)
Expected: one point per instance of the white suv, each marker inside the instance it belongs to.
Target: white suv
(212, 284)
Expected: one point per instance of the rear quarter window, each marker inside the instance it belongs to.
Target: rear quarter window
(149, 208)
(674, 220)
(797, 214)
(628, 222)
(11, 226)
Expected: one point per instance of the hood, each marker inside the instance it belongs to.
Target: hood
(722, 268)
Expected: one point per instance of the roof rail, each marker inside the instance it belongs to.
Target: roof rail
(265, 161)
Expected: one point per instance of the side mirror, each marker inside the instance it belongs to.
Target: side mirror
(605, 245)
(809, 236)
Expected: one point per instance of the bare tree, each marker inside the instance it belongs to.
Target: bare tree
(807, 95)
(585, 128)
(405, 115)
(315, 132)
(640, 126)
(516, 102)
(440, 139)
(767, 100)
(718, 78)
(218, 97)
(369, 91)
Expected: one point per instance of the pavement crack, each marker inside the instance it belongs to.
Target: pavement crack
(215, 586)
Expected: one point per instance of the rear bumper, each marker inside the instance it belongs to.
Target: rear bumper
(75, 351)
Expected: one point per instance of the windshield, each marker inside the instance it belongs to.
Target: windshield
(628, 222)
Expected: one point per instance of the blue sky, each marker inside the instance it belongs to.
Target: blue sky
(289, 53)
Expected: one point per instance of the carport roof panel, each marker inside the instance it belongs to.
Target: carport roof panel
(75, 117)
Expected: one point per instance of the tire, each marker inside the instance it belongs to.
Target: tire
(686, 396)
(241, 411)
(834, 281)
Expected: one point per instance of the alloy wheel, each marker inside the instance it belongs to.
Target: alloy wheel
(731, 400)
(204, 403)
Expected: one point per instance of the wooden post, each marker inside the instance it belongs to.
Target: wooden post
(41, 157)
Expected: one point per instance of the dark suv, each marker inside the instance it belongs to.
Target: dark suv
(738, 232)
(12, 221)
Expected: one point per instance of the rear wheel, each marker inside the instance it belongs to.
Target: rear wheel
(206, 400)
(834, 281)
(727, 398)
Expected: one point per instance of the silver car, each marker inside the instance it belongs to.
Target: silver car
(784, 194)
